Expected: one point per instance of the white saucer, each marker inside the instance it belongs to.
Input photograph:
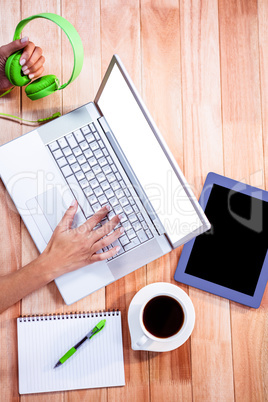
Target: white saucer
(134, 313)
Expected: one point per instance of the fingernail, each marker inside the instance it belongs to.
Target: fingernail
(117, 248)
(25, 39)
(22, 62)
(26, 71)
(73, 203)
(122, 230)
(108, 207)
(24, 68)
(30, 75)
(120, 217)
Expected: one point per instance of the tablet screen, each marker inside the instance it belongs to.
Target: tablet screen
(232, 253)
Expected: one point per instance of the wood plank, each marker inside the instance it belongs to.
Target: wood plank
(202, 134)
(170, 373)
(10, 252)
(243, 158)
(120, 33)
(86, 19)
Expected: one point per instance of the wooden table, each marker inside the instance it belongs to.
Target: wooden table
(201, 67)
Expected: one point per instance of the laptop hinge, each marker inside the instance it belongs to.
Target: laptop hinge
(131, 175)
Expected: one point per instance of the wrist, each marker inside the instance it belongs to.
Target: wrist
(49, 266)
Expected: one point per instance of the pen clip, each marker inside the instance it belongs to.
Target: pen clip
(96, 329)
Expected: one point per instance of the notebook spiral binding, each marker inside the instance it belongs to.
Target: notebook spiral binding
(69, 315)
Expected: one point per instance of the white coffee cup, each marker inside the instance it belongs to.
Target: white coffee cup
(141, 337)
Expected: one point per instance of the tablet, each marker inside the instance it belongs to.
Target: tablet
(231, 259)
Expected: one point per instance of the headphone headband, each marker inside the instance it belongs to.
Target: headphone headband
(71, 33)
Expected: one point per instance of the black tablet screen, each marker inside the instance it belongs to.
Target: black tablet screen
(232, 253)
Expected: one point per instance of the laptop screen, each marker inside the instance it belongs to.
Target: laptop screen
(146, 157)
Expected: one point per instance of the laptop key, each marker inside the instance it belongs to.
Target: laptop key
(85, 167)
(80, 196)
(57, 154)
(98, 191)
(75, 167)
(71, 140)
(103, 200)
(77, 151)
(92, 161)
(83, 145)
(96, 169)
(94, 145)
(61, 162)
(94, 183)
(81, 159)
(85, 130)
(79, 175)
(124, 240)
(66, 170)
(90, 175)
(83, 183)
(88, 191)
(134, 242)
(131, 234)
(123, 201)
(90, 137)
(78, 135)
(103, 162)
(136, 225)
(128, 209)
(53, 146)
(115, 185)
(92, 199)
(62, 142)
(71, 159)
(88, 153)
(96, 207)
(106, 169)
(105, 185)
(142, 236)
(149, 234)
(132, 218)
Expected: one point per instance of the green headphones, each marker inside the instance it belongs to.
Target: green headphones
(47, 84)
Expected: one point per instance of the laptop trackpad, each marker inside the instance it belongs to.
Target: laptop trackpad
(48, 208)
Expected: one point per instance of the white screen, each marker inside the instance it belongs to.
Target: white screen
(147, 158)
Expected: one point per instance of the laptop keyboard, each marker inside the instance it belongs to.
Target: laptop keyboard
(92, 174)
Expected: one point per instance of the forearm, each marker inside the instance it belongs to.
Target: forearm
(26, 280)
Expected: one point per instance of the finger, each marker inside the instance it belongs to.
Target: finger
(68, 217)
(14, 46)
(37, 65)
(96, 218)
(106, 241)
(105, 255)
(27, 53)
(37, 73)
(106, 228)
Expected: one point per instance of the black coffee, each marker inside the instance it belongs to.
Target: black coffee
(163, 316)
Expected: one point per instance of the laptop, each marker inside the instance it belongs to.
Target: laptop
(106, 152)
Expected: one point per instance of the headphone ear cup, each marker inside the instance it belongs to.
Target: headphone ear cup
(13, 70)
(42, 87)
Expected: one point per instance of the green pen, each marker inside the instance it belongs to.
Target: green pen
(91, 333)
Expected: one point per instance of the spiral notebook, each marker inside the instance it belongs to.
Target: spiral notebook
(43, 340)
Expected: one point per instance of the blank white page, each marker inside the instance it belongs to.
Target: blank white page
(147, 159)
(42, 341)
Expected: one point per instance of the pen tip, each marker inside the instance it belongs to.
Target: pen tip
(57, 364)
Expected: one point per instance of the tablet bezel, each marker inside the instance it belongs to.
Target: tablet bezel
(180, 274)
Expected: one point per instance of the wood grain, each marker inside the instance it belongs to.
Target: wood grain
(212, 375)
(10, 255)
(201, 68)
(120, 33)
(161, 84)
(243, 146)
